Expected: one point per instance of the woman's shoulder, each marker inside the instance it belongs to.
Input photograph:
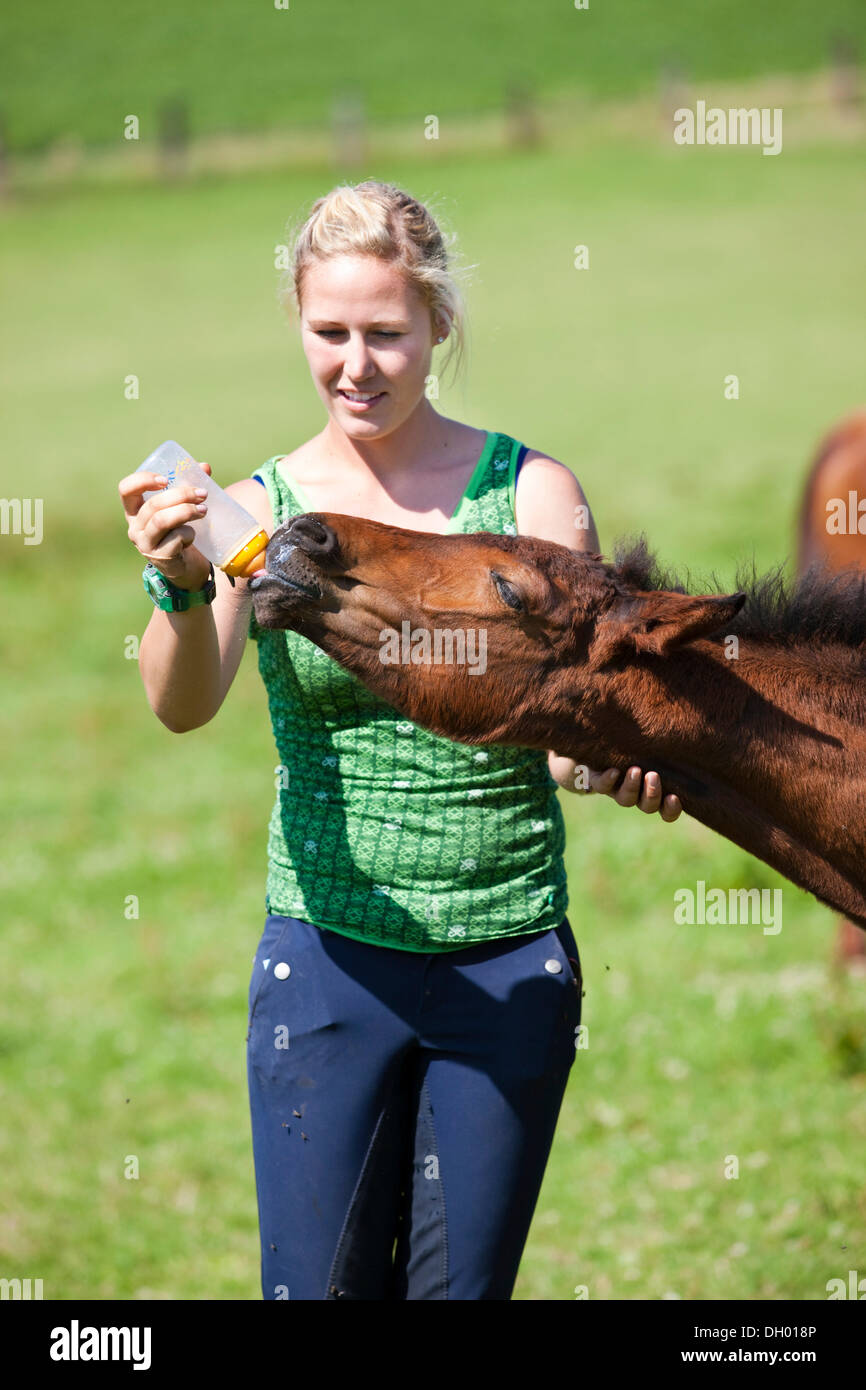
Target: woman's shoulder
(303, 464)
(542, 470)
(253, 493)
(550, 502)
(540, 476)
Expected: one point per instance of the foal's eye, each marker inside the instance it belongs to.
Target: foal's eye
(507, 592)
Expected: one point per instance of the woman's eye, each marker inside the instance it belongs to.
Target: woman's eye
(506, 592)
(337, 332)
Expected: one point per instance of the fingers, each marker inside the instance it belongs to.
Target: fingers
(133, 485)
(649, 798)
(628, 792)
(169, 546)
(163, 518)
(166, 517)
(603, 782)
(652, 799)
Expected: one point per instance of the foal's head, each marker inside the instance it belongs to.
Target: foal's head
(539, 623)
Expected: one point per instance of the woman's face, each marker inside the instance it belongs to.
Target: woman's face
(365, 330)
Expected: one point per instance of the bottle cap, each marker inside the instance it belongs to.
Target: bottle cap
(251, 558)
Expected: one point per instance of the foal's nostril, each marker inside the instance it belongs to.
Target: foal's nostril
(312, 535)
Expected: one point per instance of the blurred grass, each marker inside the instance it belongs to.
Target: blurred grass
(244, 68)
(126, 1037)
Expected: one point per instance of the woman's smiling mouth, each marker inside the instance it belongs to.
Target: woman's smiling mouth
(361, 400)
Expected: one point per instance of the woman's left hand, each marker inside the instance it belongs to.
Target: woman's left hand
(648, 797)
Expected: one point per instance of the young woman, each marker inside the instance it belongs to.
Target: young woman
(416, 991)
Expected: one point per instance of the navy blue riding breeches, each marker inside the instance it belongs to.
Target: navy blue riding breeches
(403, 1107)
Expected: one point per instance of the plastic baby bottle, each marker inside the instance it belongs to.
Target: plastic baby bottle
(228, 536)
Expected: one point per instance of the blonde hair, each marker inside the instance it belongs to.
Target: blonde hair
(376, 219)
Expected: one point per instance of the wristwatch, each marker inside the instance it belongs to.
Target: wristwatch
(171, 599)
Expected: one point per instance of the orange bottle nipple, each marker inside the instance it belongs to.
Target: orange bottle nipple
(251, 558)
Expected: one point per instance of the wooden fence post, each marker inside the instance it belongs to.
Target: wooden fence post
(846, 74)
(521, 117)
(4, 160)
(673, 93)
(174, 138)
(349, 131)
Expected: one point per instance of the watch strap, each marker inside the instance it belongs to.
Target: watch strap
(169, 598)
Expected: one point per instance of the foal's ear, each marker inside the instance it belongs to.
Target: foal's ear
(658, 622)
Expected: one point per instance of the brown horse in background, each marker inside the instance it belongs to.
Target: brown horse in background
(838, 471)
(754, 717)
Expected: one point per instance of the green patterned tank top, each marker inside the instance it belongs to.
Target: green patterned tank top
(381, 830)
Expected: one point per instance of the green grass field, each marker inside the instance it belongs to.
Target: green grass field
(125, 1037)
(243, 67)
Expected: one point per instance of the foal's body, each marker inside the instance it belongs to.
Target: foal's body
(838, 473)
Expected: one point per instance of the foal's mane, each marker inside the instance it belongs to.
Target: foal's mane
(822, 606)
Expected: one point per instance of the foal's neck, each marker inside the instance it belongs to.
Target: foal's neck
(765, 749)
(761, 692)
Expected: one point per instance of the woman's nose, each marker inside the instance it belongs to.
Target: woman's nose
(358, 363)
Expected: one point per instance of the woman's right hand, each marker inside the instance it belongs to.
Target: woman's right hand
(159, 528)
